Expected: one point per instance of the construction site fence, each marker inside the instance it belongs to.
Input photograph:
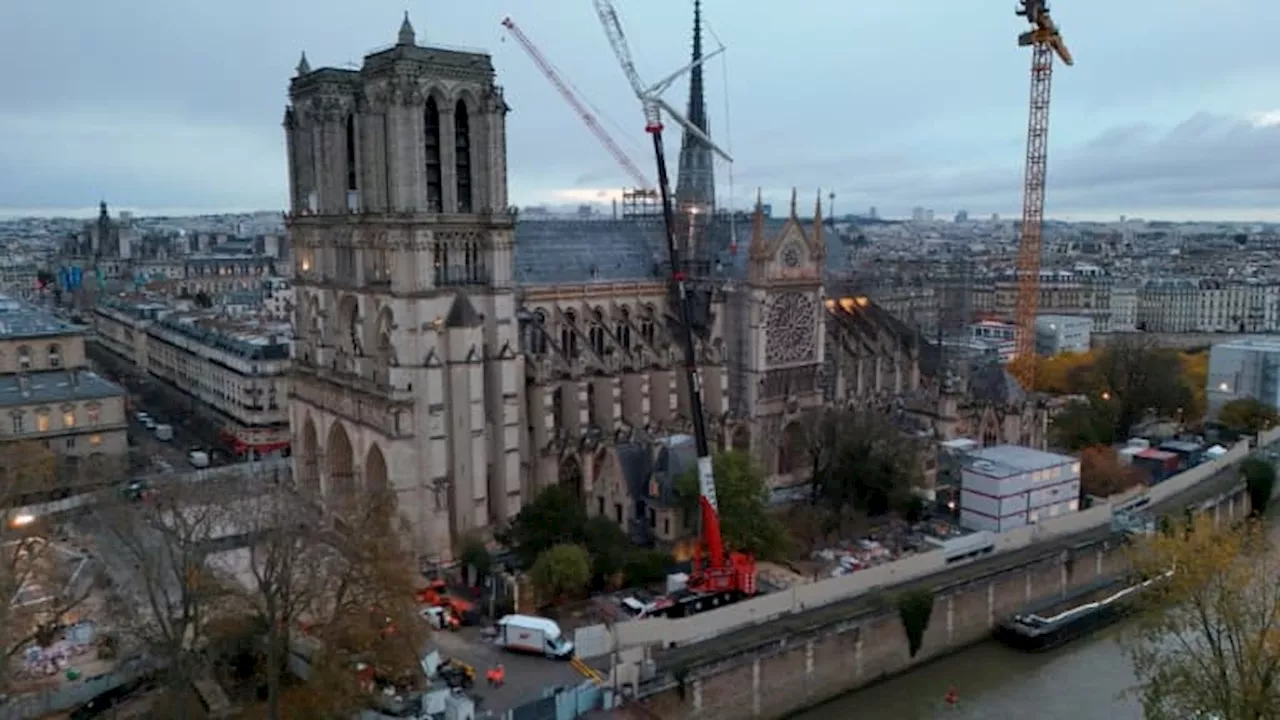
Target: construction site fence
(566, 703)
(598, 640)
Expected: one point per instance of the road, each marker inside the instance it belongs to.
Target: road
(756, 635)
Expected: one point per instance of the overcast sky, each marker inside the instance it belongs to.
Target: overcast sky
(1171, 110)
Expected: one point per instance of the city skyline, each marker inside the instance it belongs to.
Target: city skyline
(1144, 125)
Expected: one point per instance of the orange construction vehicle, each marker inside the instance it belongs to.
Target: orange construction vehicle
(437, 595)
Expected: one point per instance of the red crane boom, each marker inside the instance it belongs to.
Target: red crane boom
(1045, 42)
(587, 117)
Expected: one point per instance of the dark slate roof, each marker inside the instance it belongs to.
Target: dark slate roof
(463, 314)
(675, 456)
(583, 251)
(990, 382)
(576, 251)
(56, 386)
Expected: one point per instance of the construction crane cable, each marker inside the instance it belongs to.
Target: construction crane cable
(728, 136)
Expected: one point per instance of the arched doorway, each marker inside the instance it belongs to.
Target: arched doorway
(791, 449)
(342, 481)
(309, 460)
(571, 476)
(377, 488)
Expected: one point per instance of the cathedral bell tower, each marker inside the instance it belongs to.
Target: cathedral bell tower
(407, 377)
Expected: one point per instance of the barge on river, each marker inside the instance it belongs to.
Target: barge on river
(1064, 620)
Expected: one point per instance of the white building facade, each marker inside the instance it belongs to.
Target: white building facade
(1056, 334)
(1244, 368)
(1007, 487)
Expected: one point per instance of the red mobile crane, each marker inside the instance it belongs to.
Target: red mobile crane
(570, 97)
(1045, 41)
(719, 576)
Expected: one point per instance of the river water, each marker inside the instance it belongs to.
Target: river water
(1083, 680)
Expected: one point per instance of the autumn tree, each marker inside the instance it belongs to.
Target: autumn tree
(1060, 374)
(1194, 367)
(1207, 645)
(1103, 475)
(561, 571)
(742, 502)
(352, 591)
(156, 552)
(1083, 423)
(29, 560)
(862, 461)
(1247, 415)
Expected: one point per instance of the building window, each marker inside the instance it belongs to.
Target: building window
(71, 443)
(95, 439)
(42, 422)
(462, 155)
(95, 414)
(351, 153)
(55, 356)
(431, 138)
(18, 424)
(69, 419)
(24, 358)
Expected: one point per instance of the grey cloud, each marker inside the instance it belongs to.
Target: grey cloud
(1205, 162)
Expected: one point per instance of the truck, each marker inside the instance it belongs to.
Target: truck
(164, 433)
(534, 635)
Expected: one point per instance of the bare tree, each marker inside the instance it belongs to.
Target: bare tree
(353, 591)
(41, 580)
(157, 551)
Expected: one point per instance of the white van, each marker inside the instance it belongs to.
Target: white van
(536, 635)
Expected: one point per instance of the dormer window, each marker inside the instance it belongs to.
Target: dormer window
(24, 358)
(55, 356)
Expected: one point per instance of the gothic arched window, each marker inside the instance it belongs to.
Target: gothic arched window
(351, 152)
(431, 138)
(462, 155)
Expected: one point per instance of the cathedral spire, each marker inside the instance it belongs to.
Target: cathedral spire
(758, 247)
(304, 67)
(817, 221)
(695, 182)
(793, 205)
(406, 36)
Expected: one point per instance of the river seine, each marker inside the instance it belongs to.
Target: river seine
(1083, 680)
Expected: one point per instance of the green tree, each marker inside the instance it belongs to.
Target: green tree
(1086, 423)
(556, 516)
(1207, 645)
(561, 571)
(476, 555)
(1260, 480)
(742, 497)
(862, 461)
(1140, 377)
(1247, 415)
(609, 547)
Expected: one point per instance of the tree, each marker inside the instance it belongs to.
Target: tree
(1247, 415)
(561, 571)
(1103, 475)
(475, 555)
(29, 560)
(1140, 378)
(862, 461)
(742, 501)
(556, 516)
(609, 548)
(1058, 374)
(1195, 375)
(157, 553)
(1207, 645)
(354, 593)
(1260, 481)
(1085, 423)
